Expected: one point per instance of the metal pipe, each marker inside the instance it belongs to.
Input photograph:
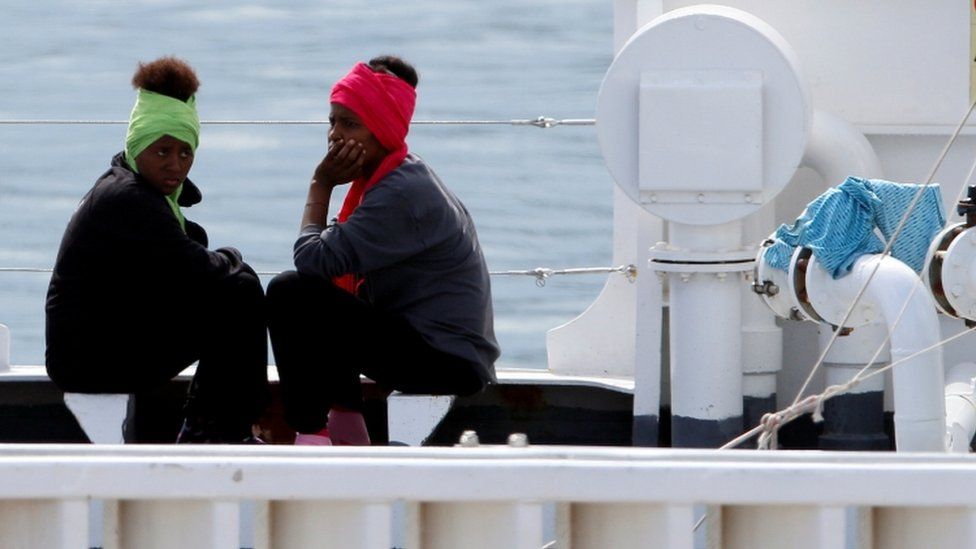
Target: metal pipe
(762, 338)
(836, 149)
(960, 403)
(918, 381)
(706, 343)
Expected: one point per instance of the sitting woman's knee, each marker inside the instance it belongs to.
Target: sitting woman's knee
(243, 285)
(284, 287)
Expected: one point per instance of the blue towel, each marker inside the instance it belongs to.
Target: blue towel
(839, 225)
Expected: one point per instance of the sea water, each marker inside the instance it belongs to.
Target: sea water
(540, 198)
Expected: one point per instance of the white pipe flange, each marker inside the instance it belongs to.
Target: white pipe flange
(665, 260)
(804, 293)
(949, 271)
(772, 285)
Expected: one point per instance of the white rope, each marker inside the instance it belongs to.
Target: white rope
(814, 403)
(538, 122)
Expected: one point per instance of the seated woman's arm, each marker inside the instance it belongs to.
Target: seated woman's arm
(149, 232)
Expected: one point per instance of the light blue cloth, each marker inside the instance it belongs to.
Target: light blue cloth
(839, 225)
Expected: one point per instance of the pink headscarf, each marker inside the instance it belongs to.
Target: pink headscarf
(385, 104)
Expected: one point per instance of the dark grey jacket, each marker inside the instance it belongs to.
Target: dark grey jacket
(416, 246)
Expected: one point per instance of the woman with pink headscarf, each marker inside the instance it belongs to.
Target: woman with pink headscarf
(395, 287)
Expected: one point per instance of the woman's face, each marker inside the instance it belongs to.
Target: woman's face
(345, 125)
(166, 163)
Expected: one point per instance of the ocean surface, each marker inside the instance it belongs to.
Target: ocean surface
(540, 198)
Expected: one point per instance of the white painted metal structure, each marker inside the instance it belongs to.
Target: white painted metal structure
(867, 66)
(702, 119)
(414, 417)
(486, 497)
(101, 416)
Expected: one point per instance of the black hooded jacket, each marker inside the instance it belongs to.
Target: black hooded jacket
(124, 259)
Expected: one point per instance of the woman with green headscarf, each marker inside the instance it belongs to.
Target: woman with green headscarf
(136, 296)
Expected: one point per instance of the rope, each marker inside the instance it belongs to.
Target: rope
(813, 404)
(544, 122)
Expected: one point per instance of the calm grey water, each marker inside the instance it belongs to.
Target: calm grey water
(539, 197)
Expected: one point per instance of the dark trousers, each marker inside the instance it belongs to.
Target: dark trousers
(323, 339)
(148, 340)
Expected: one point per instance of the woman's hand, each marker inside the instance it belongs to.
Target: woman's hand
(342, 164)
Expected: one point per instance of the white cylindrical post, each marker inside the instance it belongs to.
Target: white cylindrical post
(854, 420)
(706, 343)
(647, 355)
(762, 357)
(762, 338)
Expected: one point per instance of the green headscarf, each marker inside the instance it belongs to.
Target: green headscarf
(155, 115)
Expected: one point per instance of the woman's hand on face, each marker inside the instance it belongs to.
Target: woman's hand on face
(342, 164)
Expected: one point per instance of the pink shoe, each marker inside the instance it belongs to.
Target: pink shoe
(348, 428)
(320, 438)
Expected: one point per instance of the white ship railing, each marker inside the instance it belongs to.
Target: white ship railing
(484, 497)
